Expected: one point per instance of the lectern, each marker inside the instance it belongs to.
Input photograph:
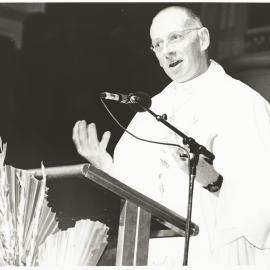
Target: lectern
(137, 211)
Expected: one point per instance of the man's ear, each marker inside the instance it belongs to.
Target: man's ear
(204, 38)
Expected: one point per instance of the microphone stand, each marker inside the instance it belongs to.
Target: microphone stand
(196, 149)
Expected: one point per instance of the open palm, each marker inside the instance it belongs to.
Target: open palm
(88, 146)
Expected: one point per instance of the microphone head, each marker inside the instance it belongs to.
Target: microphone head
(143, 102)
(103, 95)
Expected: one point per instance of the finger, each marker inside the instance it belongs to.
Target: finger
(181, 153)
(105, 140)
(75, 134)
(82, 134)
(92, 135)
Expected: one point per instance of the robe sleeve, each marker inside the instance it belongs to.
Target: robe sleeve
(242, 150)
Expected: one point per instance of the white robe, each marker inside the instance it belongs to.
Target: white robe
(232, 121)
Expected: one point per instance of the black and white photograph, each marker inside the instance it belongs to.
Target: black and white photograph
(135, 134)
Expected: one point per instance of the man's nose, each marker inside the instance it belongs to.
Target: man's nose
(168, 49)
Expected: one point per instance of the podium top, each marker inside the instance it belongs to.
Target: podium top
(87, 171)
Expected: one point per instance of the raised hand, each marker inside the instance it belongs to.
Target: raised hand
(88, 146)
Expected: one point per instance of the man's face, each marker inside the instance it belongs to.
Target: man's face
(179, 52)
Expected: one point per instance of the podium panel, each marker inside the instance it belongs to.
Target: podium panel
(138, 219)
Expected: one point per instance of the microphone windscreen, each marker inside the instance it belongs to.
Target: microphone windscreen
(103, 95)
(143, 102)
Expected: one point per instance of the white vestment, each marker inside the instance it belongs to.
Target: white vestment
(232, 121)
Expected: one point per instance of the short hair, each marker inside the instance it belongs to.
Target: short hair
(193, 20)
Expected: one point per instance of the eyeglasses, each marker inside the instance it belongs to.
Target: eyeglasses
(173, 38)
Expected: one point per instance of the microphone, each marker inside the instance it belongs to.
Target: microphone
(139, 101)
(122, 98)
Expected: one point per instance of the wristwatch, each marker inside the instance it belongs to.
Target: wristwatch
(215, 186)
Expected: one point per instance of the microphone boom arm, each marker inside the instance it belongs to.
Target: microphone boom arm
(194, 147)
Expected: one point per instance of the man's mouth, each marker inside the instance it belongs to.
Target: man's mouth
(174, 64)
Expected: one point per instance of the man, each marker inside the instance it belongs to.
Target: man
(221, 113)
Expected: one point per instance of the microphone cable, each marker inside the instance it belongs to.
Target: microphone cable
(145, 140)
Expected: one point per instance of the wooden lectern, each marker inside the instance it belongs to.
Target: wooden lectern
(136, 213)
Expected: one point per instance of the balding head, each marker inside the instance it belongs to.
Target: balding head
(189, 17)
(180, 42)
